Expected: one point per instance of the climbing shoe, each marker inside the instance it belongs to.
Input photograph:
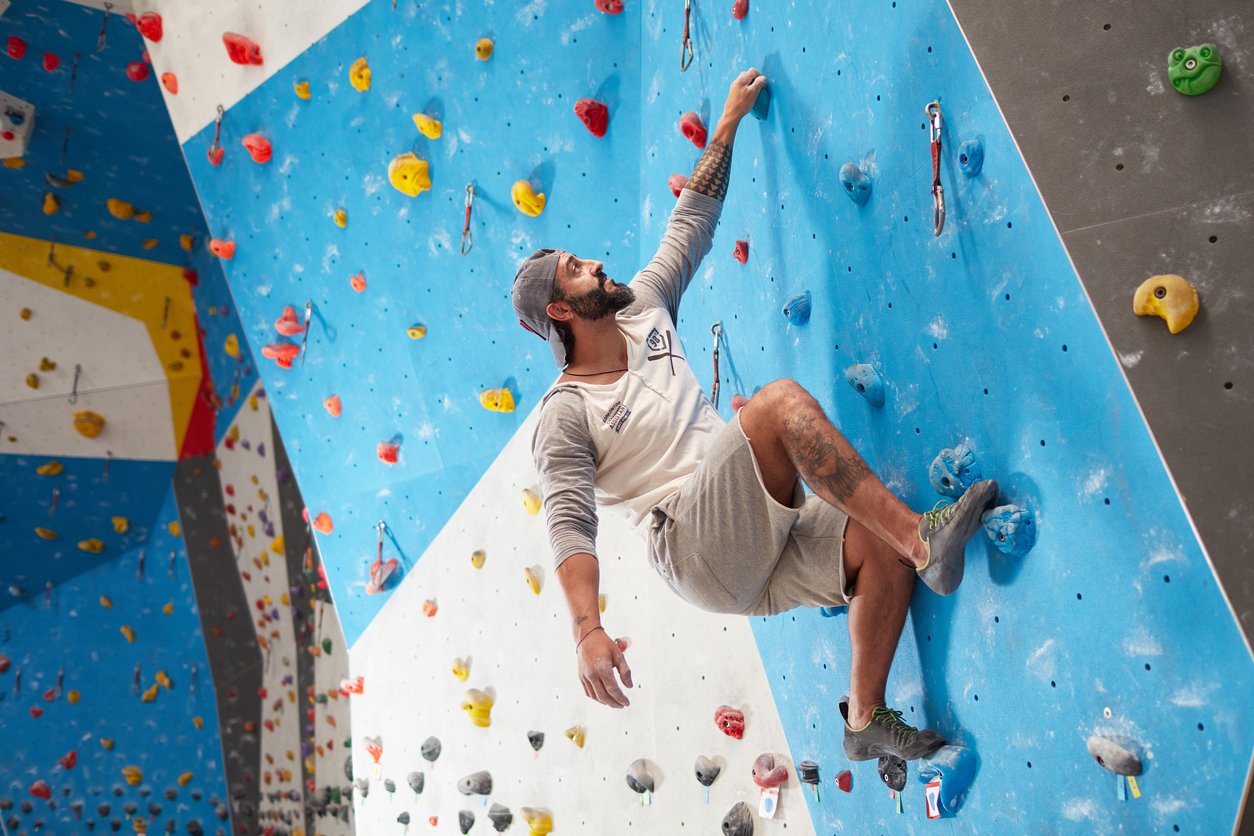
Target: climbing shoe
(887, 734)
(945, 531)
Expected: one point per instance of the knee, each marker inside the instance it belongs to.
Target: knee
(784, 396)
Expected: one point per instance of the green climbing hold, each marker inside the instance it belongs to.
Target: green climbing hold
(1194, 70)
(326, 646)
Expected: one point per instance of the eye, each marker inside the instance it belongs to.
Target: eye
(1204, 52)
(1177, 56)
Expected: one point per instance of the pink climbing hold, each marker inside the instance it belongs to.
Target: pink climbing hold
(766, 773)
(51, 62)
(594, 114)
(149, 25)
(281, 353)
(16, 47)
(741, 253)
(739, 9)
(137, 71)
(677, 183)
(242, 50)
(387, 452)
(259, 148)
(690, 124)
(288, 325)
(610, 7)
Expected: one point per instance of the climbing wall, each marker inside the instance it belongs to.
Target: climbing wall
(1113, 626)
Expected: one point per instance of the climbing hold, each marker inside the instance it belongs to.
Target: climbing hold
(374, 747)
(428, 127)
(857, 184)
(231, 346)
(242, 50)
(430, 608)
(707, 770)
(971, 157)
(163, 679)
(844, 780)
(322, 523)
(797, 309)
(539, 821)
(358, 282)
(32, 380)
(461, 670)
(222, 249)
(575, 734)
(171, 83)
(46, 533)
(359, 75)
(92, 546)
(5, 663)
(106, 602)
(168, 609)
(478, 707)
(866, 382)
(497, 400)
(24, 313)
(740, 9)
(477, 558)
(133, 775)
(150, 694)
(954, 470)
(594, 115)
(808, 773)
(638, 777)
(403, 818)
(381, 572)
(16, 48)
(476, 783)
(741, 253)
(692, 128)
(137, 70)
(501, 817)
(465, 821)
(149, 25)
(301, 89)
(609, 7)
(767, 773)
(416, 781)
(1194, 70)
(954, 767)
(676, 183)
(1011, 528)
(50, 469)
(531, 575)
(731, 721)
(531, 501)
(601, 602)
(68, 760)
(281, 353)
(739, 820)
(483, 49)
(526, 200)
(408, 174)
(762, 104)
(73, 696)
(892, 770)
(127, 633)
(1116, 755)
(52, 204)
(416, 331)
(88, 423)
(259, 148)
(536, 739)
(1170, 297)
(121, 525)
(340, 218)
(430, 749)
(40, 789)
(287, 324)
(120, 209)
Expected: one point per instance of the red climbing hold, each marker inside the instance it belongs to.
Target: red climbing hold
(288, 325)
(36, 712)
(222, 249)
(387, 452)
(738, 401)
(149, 25)
(5, 663)
(40, 789)
(740, 8)
(242, 50)
(381, 571)
(69, 759)
(767, 773)
(215, 155)
(51, 62)
(281, 353)
(844, 780)
(677, 183)
(16, 48)
(50, 695)
(259, 148)
(690, 124)
(730, 720)
(741, 252)
(595, 115)
(137, 71)
(170, 82)
(610, 7)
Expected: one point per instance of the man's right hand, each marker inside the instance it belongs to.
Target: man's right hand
(599, 658)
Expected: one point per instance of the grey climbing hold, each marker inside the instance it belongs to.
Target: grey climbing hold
(1011, 528)
(476, 783)
(1116, 756)
(892, 770)
(501, 817)
(739, 820)
(431, 749)
(971, 157)
(536, 739)
(389, 786)
(857, 184)
(403, 818)
(363, 786)
(465, 821)
(416, 781)
(638, 777)
(797, 308)
(954, 470)
(866, 381)
(808, 772)
(707, 770)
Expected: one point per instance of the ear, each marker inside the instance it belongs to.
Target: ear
(559, 311)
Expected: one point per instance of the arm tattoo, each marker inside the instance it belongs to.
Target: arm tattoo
(820, 461)
(713, 171)
(580, 619)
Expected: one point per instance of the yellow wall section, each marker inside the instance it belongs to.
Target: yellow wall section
(131, 286)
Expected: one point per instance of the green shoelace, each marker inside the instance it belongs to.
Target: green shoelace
(940, 514)
(892, 719)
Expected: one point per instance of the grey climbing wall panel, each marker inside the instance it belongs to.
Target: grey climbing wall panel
(1141, 180)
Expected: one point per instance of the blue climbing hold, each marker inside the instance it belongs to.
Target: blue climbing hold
(798, 308)
(954, 470)
(857, 184)
(1011, 528)
(866, 381)
(954, 766)
(971, 157)
(831, 612)
(762, 104)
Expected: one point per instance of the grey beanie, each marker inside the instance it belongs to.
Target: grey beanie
(533, 290)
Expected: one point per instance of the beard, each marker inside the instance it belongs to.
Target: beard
(599, 303)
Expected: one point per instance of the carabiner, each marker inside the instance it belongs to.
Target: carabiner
(467, 238)
(933, 111)
(685, 49)
(717, 331)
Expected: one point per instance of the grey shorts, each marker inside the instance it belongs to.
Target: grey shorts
(725, 545)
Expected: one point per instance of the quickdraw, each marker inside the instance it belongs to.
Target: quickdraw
(102, 39)
(467, 239)
(933, 111)
(717, 331)
(216, 149)
(685, 49)
(304, 339)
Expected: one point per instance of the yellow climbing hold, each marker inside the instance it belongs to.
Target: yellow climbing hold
(428, 127)
(72, 696)
(107, 743)
(601, 602)
(540, 822)
(497, 400)
(185, 779)
(478, 707)
(526, 199)
(128, 633)
(1171, 298)
(50, 469)
(175, 529)
(231, 346)
(106, 602)
(341, 218)
(408, 174)
(143, 217)
(92, 545)
(24, 313)
(483, 49)
(198, 722)
(133, 775)
(121, 525)
(73, 176)
(47, 365)
(302, 90)
(477, 558)
(575, 734)
(120, 209)
(150, 695)
(416, 331)
(359, 75)
(168, 609)
(277, 545)
(163, 679)
(88, 423)
(32, 380)
(532, 576)
(46, 533)
(252, 404)
(187, 242)
(531, 501)
(15, 162)
(461, 670)
(52, 204)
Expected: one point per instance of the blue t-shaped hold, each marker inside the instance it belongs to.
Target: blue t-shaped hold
(762, 105)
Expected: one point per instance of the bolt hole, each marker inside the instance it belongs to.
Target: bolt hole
(1228, 385)
(1160, 292)
(1066, 98)
(1118, 166)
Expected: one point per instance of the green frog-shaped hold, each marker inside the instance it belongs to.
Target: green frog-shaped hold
(1194, 70)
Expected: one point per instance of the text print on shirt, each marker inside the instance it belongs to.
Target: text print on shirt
(616, 416)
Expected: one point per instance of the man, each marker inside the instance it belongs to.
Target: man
(728, 526)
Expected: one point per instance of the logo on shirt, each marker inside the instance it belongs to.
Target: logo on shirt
(655, 340)
(616, 416)
(663, 342)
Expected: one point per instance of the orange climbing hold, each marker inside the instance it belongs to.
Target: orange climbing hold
(610, 7)
(358, 282)
(88, 423)
(242, 50)
(259, 148)
(322, 523)
(287, 324)
(334, 406)
(281, 353)
(127, 633)
(171, 83)
(222, 249)
(430, 607)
